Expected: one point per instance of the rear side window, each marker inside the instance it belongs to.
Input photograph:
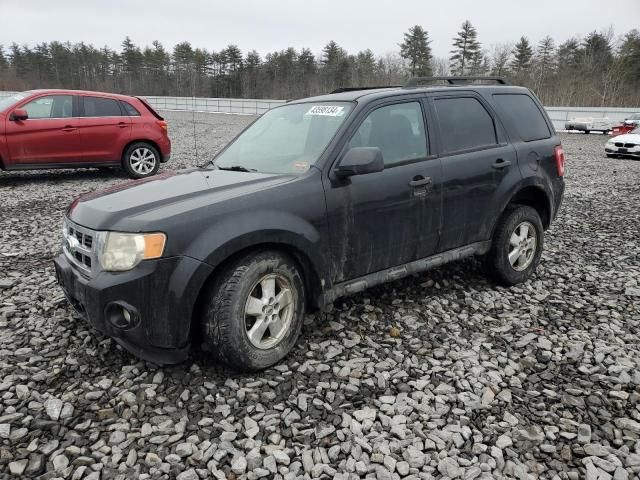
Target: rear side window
(397, 130)
(129, 109)
(53, 106)
(101, 107)
(465, 124)
(523, 113)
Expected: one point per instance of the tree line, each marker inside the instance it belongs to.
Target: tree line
(597, 70)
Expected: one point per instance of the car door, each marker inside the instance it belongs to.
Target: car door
(383, 219)
(104, 129)
(478, 165)
(48, 136)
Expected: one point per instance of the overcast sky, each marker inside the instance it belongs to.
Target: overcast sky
(268, 25)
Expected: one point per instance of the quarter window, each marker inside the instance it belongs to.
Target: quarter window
(101, 107)
(524, 115)
(52, 106)
(130, 109)
(464, 124)
(397, 130)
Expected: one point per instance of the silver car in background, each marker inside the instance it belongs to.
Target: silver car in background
(590, 124)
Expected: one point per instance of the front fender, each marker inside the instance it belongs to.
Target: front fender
(224, 239)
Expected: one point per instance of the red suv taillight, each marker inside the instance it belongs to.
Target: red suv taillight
(163, 125)
(559, 154)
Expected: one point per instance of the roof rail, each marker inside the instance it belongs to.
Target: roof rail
(353, 89)
(417, 81)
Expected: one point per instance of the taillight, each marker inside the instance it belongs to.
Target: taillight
(163, 125)
(559, 154)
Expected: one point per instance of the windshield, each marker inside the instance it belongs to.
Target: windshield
(6, 102)
(636, 130)
(635, 116)
(287, 139)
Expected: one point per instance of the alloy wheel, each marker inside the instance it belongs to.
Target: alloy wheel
(268, 311)
(142, 161)
(522, 246)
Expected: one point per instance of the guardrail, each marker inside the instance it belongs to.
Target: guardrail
(558, 115)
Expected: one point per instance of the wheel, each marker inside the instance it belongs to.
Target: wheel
(141, 160)
(254, 311)
(516, 247)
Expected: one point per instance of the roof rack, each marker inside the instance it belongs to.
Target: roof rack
(417, 81)
(354, 89)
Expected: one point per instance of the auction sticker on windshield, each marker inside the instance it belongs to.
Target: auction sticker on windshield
(326, 110)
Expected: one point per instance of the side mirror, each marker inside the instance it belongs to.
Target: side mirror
(19, 114)
(360, 161)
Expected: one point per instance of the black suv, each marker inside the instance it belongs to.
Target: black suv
(318, 198)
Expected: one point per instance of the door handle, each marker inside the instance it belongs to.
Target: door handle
(500, 163)
(69, 128)
(122, 125)
(420, 181)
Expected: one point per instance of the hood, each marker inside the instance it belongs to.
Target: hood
(148, 203)
(626, 138)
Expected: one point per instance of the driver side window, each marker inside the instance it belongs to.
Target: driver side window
(52, 106)
(397, 130)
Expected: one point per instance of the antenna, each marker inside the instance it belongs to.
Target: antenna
(193, 112)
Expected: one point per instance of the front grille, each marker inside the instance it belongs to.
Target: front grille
(77, 245)
(629, 145)
(619, 144)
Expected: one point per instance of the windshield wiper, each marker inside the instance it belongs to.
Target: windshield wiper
(237, 168)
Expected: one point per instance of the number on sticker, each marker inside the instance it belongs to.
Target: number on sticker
(326, 110)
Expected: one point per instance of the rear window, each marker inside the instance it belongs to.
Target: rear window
(101, 107)
(465, 124)
(525, 116)
(129, 109)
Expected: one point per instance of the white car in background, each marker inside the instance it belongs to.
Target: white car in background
(633, 119)
(624, 145)
(590, 124)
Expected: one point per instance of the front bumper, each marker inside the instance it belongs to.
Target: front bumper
(615, 150)
(160, 295)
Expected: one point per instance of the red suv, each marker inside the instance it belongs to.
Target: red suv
(77, 129)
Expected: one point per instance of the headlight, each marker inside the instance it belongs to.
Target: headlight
(118, 252)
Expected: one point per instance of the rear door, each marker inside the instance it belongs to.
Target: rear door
(384, 219)
(49, 136)
(478, 167)
(104, 129)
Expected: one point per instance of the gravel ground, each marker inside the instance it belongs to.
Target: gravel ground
(442, 375)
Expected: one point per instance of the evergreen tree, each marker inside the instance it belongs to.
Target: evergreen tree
(417, 51)
(465, 48)
(568, 56)
(522, 56)
(545, 56)
(365, 68)
(334, 65)
(630, 57)
(4, 63)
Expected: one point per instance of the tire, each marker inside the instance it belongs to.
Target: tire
(497, 263)
(610, 155)
(141, 160)
(227, 322)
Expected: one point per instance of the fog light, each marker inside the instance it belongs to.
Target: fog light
(121, 315)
